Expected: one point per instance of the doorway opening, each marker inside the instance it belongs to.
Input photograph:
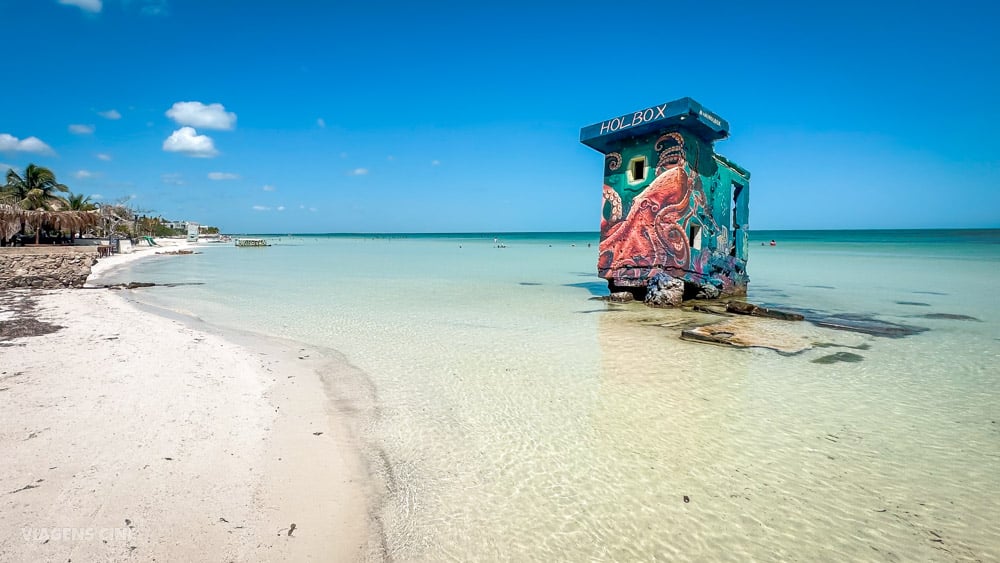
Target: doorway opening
(694, 237)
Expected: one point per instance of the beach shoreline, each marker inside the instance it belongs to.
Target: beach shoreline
(116, 262)
(131, 432)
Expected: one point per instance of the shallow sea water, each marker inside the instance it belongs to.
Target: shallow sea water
(519, 420)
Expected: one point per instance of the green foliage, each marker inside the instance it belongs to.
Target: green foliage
(80, 202)
(154, 226)
(36, 189)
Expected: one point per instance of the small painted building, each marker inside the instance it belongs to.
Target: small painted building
(671, 204)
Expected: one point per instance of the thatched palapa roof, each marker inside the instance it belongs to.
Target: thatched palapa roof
(11, 217)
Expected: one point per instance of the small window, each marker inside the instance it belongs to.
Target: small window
(694, 237)
(637, 170)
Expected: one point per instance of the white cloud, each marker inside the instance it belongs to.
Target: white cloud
(96, 197)
(103, 156)
(110, 114)
(312, 209)
(10, 143)
(321, 122)
(83, 174)
(268, 188)
(358, 172)
(187, 141)
(85, 5)
(197, 114)
(261, 208)
(81, 129)
(223, 176)
(302, 207)
(281, 208)
(173, 179)
(435, 163)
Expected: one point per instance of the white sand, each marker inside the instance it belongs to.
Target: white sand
(128, 435)
(138, 252)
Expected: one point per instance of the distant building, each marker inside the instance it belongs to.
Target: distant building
(176, 225)
(671, 204)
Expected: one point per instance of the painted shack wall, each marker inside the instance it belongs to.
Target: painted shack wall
(680, 219)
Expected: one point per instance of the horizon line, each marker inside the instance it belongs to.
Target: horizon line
(401, 233)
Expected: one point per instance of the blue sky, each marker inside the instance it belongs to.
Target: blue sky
(381, 116)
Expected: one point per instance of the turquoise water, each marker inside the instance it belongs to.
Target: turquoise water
(519, 420)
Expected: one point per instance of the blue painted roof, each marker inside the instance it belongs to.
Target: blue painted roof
(685, 112)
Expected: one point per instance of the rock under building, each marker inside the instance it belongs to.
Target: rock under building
(672, 205)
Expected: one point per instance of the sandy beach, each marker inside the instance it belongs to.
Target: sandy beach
(129, 435)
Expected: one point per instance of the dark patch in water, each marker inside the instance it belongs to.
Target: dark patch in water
(862, 323)
(950, 317)
(595, 287)
(864, 346)
(529, 283)
(822, 286)
(866, 324)
(593, 311)
(807, 313)
(930, 292)
(914, 303)
(838, 357)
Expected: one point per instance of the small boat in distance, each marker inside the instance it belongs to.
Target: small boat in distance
(251, 242)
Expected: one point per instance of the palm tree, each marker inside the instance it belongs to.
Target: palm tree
(79, 202)
(35, 190)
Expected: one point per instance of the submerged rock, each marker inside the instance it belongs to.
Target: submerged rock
(710, 310)
(950, 317)
(664, 291)
(867, 325)
(616, 297)
(744, 308)
(750, 332)
(864, 346)
(838, 357)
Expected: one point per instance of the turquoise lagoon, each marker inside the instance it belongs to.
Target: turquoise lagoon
(518, 419)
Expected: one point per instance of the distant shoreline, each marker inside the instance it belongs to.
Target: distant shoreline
(490, 234)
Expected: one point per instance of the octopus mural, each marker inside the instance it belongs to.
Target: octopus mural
(646, 228)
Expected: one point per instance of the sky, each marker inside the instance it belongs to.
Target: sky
(457, 116)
